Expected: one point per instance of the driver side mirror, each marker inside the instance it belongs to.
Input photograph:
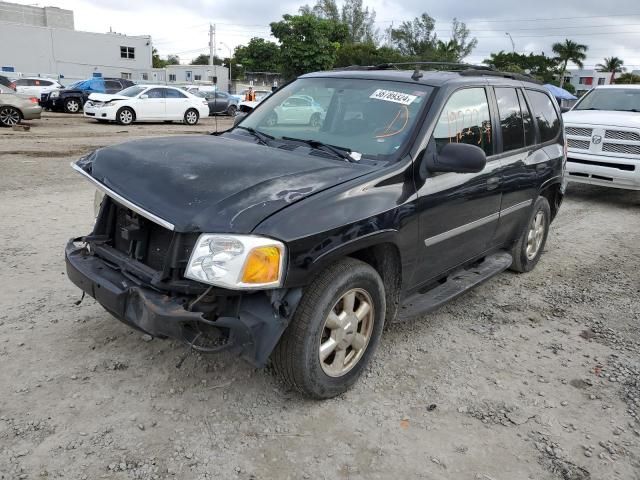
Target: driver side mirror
(457, 158)
(564, 109)
(144, 96)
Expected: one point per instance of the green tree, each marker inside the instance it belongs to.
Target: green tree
(366, 54)
(156, 61)
(173, 60)
(307, 43)
(613, 65)
(540, 66)
(360, 21)
(203, 59)
(416, 37)
(569, 51)
(259, 55)
(628, 78)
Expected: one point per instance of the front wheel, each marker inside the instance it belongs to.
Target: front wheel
(125, 116)
(191, 117)
(528, 249)
(72, 105)
(334, 332)
(9, 116)
(232, 110)
(316, 120)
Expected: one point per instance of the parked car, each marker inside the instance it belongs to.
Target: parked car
(297, 110)
(15, 107)
(72, 98)
(142, 103)
(296, 243)
(219, 102)
(36, 86)
(7, 82)
(603, 132)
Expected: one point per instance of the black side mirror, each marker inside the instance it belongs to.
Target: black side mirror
(238, 118)
(457, 158)
(564, 109)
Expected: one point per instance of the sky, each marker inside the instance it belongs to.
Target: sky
(182, 27)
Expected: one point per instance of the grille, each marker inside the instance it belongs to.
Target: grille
(621, 135)
(620, 148)
(579, 132)
(141, 239)
(578, 144)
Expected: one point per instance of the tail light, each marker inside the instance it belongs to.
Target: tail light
(12, 85)
(34, 100)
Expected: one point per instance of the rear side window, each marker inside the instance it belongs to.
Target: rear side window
(171, 93)
(545, 114)
(97, 85)
(510, 119)
(23, 83)
(112, 85)
(465, 119)
(527, 120)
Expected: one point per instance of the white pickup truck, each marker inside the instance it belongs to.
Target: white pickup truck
(603, 137)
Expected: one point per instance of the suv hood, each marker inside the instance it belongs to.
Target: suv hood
(602, 117)
(211, 183)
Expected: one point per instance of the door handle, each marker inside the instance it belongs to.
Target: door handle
(492, 183)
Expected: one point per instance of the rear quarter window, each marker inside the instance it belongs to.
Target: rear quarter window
(545, 114)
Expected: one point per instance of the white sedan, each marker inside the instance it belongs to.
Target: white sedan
(146, 103)
(297, 110)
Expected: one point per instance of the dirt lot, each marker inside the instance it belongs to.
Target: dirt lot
(531, 376)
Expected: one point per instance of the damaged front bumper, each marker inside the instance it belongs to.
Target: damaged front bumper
(251, 325)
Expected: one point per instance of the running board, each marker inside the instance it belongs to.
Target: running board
(456, 284)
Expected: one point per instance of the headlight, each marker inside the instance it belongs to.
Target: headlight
(54, 94)
(238, 262)
(97, 202)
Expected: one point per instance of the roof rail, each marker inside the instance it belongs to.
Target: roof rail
(446, 66)
(523, 77)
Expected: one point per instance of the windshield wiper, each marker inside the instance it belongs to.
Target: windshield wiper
(262, 137)
(343, 153)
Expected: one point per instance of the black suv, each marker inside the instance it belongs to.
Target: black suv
(72, 98)
(294, 240)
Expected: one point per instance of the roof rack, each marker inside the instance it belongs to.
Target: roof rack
(466, 69)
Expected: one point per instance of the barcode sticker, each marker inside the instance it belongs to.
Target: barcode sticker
(395, 97)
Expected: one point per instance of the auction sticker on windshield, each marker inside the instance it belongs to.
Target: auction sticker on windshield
(391, 96)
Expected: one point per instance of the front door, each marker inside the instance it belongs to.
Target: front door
(458, 212)
(153, 106)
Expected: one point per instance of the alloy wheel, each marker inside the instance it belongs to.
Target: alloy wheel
(126, 117)
(346, 332)
(535, 235)
(72, 106)
(9, 116)
(191, 117)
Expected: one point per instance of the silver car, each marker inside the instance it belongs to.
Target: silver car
(15, 107)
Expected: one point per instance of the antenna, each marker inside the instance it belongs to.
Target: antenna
(417, 74)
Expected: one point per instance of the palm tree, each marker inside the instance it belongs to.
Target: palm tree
(569, 51)
(613, 65)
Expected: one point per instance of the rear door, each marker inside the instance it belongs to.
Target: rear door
(177, 104)
(152, 107)
(458, 212)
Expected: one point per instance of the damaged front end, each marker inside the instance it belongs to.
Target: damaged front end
(135, 268)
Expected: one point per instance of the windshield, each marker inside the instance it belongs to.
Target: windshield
(370, 117)
(616, 99)
(132, 91)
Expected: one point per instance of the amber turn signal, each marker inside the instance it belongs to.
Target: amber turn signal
(262, 265)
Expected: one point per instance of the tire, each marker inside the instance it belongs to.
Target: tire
(297, 357)
(9, 116)
(272, 120)
(528, 249)
(316, 120)
(232, 110)
(191, 116)
(72, 105)
(125, 116)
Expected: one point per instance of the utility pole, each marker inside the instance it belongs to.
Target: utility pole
(211, 47)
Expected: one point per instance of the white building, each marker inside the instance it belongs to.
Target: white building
(585, 80)
(42, 41)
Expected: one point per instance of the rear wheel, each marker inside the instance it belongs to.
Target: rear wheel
(9, 116)
(125, 116)
(72, 105)
(334, 332)
(528, 249)
(316, 120)
(191, 117)
(232, 110)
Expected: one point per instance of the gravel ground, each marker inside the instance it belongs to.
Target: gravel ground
(529, 376)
